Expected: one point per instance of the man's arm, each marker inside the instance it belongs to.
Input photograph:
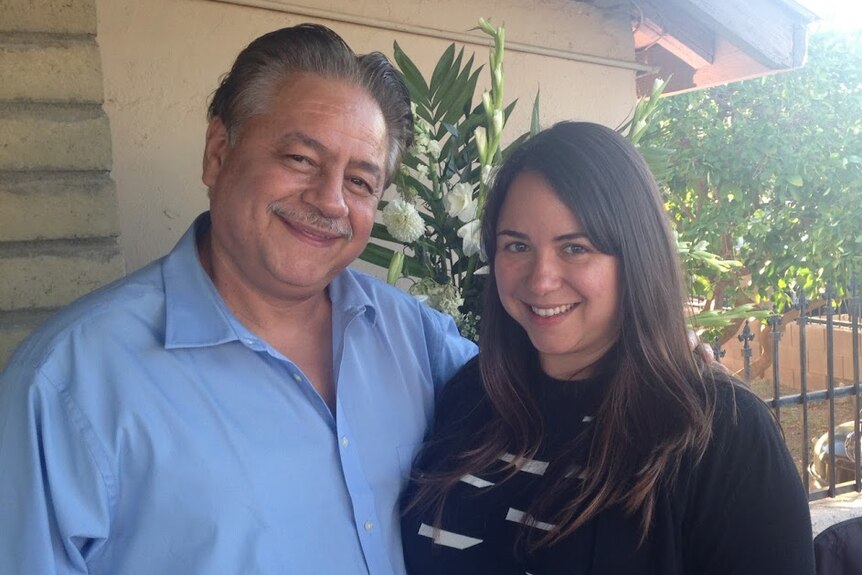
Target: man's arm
(53, 497)
(451, 351)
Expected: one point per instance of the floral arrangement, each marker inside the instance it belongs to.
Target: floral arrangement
(430, 231)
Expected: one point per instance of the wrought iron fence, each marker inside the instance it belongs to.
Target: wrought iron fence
(831, 462)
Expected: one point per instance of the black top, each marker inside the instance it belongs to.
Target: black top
(742, 509)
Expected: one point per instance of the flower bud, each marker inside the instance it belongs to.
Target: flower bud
(481, 143)
(396, 266)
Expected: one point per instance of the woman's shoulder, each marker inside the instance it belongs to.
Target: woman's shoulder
(746, 439)
(738, 410)
(467, 382)
(463, 398)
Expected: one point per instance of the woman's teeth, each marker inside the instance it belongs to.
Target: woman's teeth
(552, 311)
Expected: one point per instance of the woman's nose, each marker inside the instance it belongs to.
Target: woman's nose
(544, 274)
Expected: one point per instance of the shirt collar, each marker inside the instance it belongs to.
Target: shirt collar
(196, 314)
(350, 297)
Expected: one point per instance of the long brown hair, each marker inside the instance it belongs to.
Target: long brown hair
(660, 400)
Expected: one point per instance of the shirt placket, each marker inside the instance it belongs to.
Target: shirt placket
(368, 525)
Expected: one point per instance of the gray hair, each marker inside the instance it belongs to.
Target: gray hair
(262, 67)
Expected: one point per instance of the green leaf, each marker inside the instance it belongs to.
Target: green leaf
(412, 77)
(376, 255)
(452, 106)
(507, 111)
(379, 231)
(450, 82)
(451, 129)
(416, 185)
(424, 113)
(442, 69)
(380, 256)
(795, 180)
(535, 125)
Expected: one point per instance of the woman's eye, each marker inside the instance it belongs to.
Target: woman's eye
(575, 249)
(515, 247)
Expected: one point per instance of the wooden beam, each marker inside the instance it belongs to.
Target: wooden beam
(670, 66)
(732, 65)
(677, 32)
(766, 29)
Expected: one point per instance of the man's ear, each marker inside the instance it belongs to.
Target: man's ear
(215, 151)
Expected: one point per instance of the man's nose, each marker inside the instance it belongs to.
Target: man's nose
(327, 194)
(544, 274)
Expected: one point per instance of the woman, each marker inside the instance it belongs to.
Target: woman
(586, 437)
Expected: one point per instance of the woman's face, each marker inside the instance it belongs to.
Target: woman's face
(553, 281)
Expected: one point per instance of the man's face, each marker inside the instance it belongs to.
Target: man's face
(293, 199)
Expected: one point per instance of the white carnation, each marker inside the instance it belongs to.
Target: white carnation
(402, 221)
(471, 234)
(459, 202)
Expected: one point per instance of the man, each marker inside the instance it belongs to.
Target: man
(245, 404)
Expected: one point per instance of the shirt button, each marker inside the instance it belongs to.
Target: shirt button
(248, 342)
(344, 441)
(297, 377)
(369, 526)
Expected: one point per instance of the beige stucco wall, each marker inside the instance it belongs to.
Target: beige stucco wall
(161, 59)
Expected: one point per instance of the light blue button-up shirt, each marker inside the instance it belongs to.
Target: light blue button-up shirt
(145, 430)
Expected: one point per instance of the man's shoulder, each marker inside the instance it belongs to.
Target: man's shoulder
(404, 318)
(385, 298)
(103, 314)
(374, 287)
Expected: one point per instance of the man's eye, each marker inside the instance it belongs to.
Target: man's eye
(297, 158)
(360, 184)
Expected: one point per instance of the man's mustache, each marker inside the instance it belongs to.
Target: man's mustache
(312, 219)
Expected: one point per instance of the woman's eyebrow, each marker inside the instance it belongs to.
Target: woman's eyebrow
(571, 236)
(513, 234)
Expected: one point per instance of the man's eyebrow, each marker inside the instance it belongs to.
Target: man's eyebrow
(305, 139)
(301, 137)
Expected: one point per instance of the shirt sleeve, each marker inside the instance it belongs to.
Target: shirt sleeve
(449, 350)
(749, 511)
(54, 500)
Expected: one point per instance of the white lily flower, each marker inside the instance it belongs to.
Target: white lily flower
(402, 221)
(471, 234)
(459, 202)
